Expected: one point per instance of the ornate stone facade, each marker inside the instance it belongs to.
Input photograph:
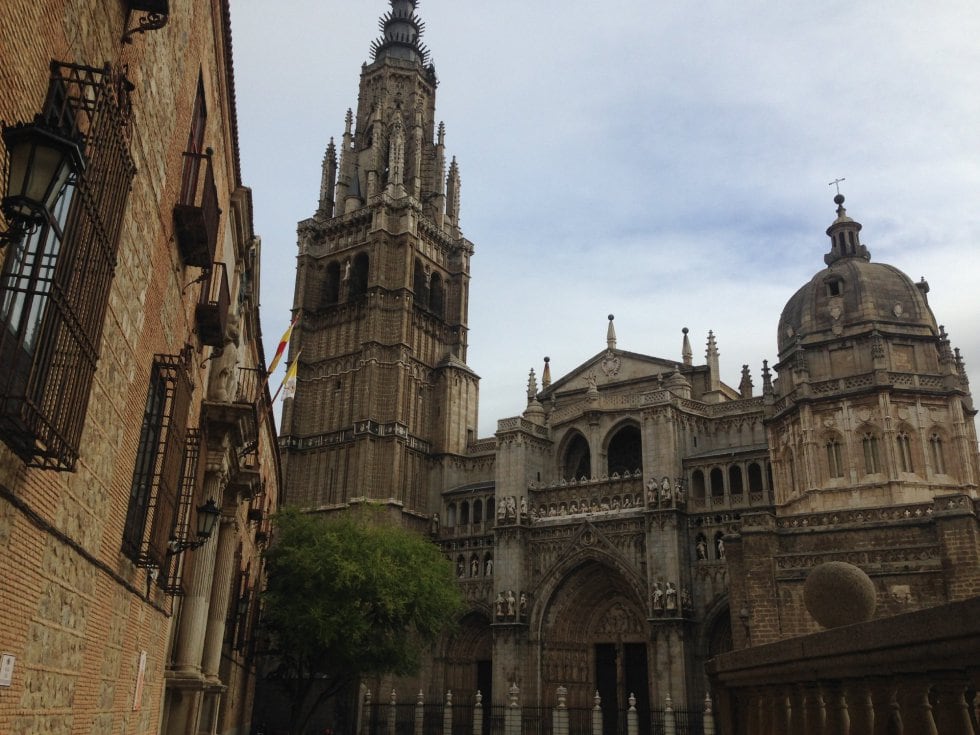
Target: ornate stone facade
(641, 515)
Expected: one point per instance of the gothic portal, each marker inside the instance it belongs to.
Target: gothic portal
(641, 515)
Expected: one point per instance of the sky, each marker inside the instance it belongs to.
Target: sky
(667, 163)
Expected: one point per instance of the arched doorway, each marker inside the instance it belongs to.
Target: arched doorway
(469, 658)
(594, 637)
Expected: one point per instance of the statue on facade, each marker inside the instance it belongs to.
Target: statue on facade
(511, 603)
(687, 604)
(658, 598)
(702, 548)
(488, 569)
(475, 567)
(523, 507)
(670, 595)
(434, 525)
(499, 605)
(720, 547)
(523, 606)
(460, 568)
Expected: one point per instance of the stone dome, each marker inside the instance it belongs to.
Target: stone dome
(852, 294)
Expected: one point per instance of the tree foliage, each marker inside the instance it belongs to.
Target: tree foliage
(350, 595)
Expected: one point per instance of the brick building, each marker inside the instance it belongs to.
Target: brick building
(138, 458)
(641, 516)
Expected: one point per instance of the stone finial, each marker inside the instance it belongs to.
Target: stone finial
(632, 701)
(668, 702)
(513, 694)
(837, 593)
(712, 349)
(449, 697)
(596, 700)
(348, 121)
(442, 133)
(393, 697)
(479, 697)
(766, 378)
(562, 693)
(420, 699)
(745, 386)
(611, 334)
(687, 354)
(546, 373)
(707, 703)
(532, 387)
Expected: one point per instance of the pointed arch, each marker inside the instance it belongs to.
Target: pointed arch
(359, 276)
(624, 449)
(576, 456)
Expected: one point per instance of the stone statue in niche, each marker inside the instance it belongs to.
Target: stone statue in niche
(488, 569)
(720, 548)
(502, 509)
(665, 491)
(523, 507)
(670, 595)
(687, 604)
(702, 548)
(651, 491)
(522, 606)
(434, 525)
(511, 604)
(223, 385)
(658, 598)
(475, 567)
(499, 605)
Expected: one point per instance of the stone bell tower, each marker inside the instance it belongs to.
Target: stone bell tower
(382, 287)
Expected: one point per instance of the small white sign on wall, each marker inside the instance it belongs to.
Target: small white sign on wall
(140, 674)
(6, 669)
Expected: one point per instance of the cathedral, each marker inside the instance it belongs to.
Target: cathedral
(641, 515)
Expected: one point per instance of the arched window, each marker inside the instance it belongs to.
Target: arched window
(904, 447)
(359, 276)
(451, 515)
(420, 285)
(872, 461)
(735, 480)
(697, 484)
(625, 451)
(577, 461)
(331, 287)
(489, 509)
(755, 478)
(488, 565)
(477, 511)
(464, 513)
(938, 454)
(717, 483)
(436, 295)
(835, 463)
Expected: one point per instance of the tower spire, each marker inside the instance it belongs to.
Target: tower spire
(401, 30)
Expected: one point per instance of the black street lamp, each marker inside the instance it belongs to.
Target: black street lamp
(207, 518)
(40, 163)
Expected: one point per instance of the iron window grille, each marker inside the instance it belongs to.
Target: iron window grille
(55, 280)
(160, 465)
(191, 497)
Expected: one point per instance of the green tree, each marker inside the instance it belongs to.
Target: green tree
(350, 595)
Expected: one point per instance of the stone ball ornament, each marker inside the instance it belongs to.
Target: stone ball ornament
(837, 593)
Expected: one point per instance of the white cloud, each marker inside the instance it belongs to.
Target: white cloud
(667, 163)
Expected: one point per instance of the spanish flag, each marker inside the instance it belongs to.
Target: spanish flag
(283, 343)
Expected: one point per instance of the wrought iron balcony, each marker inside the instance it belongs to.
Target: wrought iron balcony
(197, 213)
(212, 308)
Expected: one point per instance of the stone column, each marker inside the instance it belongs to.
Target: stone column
(194, 613)
(224, 569)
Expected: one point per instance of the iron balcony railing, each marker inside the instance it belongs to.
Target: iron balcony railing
(197, 213)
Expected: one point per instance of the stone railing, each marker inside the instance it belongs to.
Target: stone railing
(470, 716)
(911, 673)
